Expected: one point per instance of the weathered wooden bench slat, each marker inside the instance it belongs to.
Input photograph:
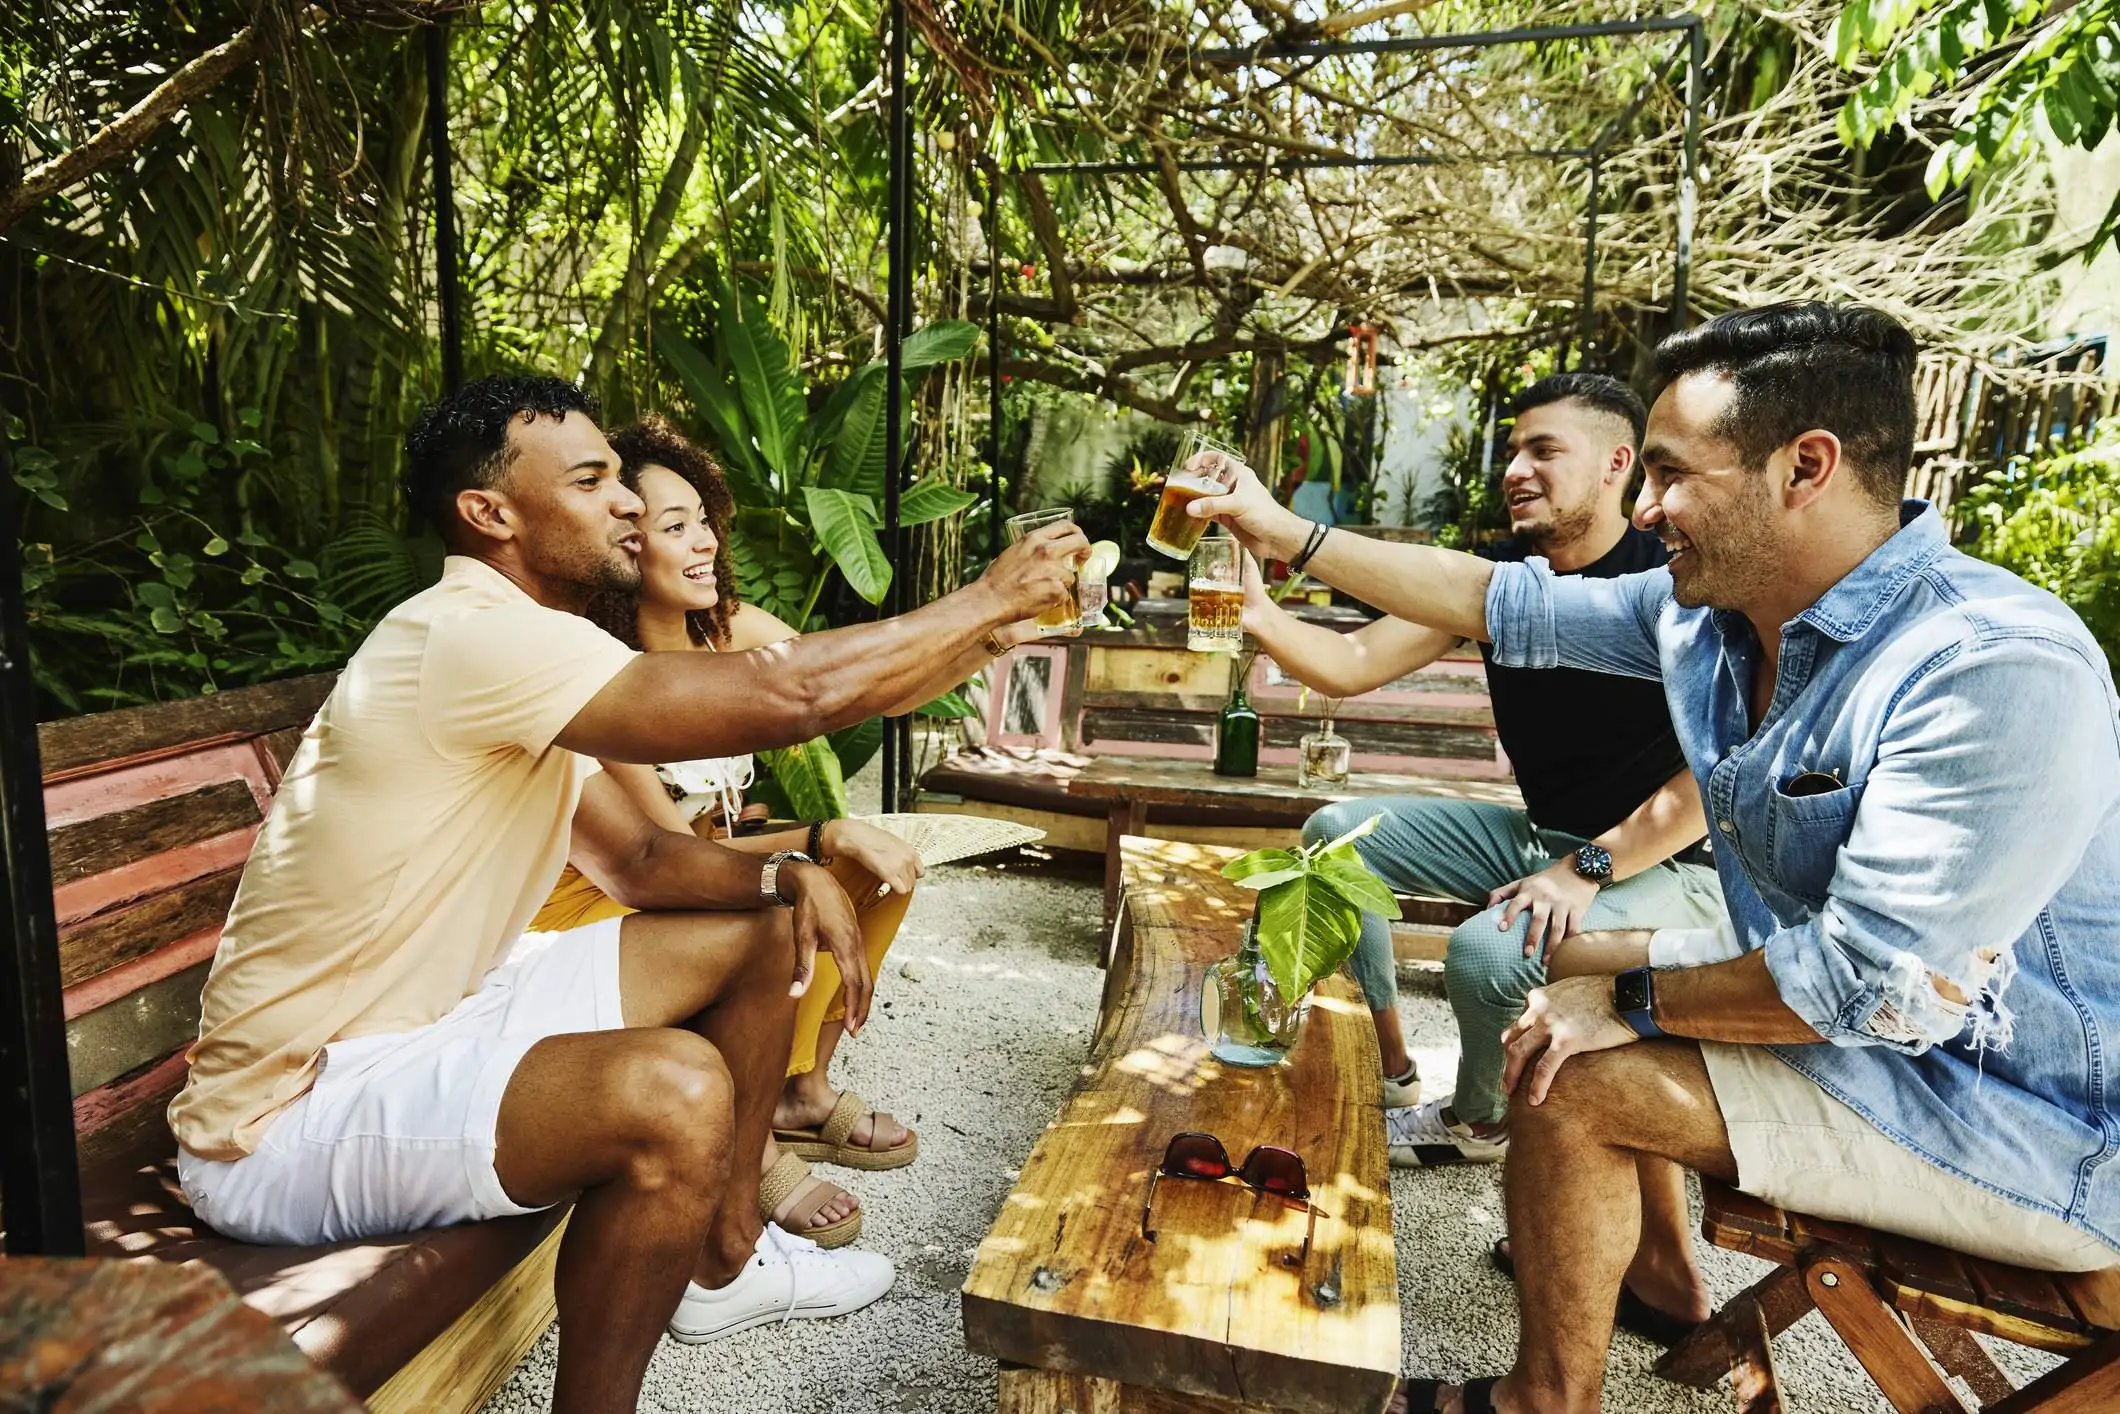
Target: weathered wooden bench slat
(120, 935)
(78, 743)
(128, 836)
(1211, 1309)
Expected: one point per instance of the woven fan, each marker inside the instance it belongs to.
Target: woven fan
(943, 839)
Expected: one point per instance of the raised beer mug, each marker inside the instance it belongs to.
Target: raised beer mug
(1173, 532)
(1215, 597)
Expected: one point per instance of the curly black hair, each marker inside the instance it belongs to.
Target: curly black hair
(1845, 368)
(460, 442)
(655, 441)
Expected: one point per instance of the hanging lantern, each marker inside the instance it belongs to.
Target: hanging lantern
(1361, 360)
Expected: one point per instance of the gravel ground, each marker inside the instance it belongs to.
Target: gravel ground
(984, 1013)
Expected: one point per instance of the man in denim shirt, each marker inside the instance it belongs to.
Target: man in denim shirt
(1911, 765)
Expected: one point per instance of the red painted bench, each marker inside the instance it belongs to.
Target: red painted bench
(151, 812)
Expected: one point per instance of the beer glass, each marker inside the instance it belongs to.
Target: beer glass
(1064, 618)
(1215, 597)
(1173, 532)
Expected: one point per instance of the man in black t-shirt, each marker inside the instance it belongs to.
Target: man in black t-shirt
(1608, 798)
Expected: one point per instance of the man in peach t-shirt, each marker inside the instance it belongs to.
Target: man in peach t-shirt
(383, 1048)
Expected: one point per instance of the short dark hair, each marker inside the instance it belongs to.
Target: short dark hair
(655, 441)
(460, 442)
(1845, 368)
(1599, 392)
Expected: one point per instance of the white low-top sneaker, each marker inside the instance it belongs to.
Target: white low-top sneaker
(1431, 1134)
(1403, 1090)
(788, 1278)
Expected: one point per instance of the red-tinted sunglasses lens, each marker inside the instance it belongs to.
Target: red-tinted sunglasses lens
(1271, 1169)
(1195, 1155)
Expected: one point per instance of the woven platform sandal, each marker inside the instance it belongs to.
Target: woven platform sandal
(832, 1142)
(780, 1185)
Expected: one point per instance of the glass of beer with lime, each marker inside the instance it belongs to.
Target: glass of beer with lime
(1215, 597)
(1064, 619)
(1173, 532)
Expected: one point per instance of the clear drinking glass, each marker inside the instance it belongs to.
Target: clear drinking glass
(1173, 532)
(1065, 618)
(1215, 597)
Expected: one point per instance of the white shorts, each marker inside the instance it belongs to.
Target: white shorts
(396, 1135)
(1802, 1149)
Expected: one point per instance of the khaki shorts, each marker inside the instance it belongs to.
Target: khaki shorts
(1801, 1149)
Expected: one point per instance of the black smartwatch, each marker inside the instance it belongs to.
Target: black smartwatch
(1634, 998)
(1594, 862)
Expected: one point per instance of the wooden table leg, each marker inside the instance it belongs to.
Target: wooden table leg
(1128, 816)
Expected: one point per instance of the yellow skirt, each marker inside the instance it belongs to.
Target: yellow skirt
(575, 903)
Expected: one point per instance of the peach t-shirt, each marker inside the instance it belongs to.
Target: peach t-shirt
(422, 821)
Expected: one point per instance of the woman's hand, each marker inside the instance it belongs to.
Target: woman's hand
(824, 918)
(1258, 604)
(1556, 897)
(882, 853)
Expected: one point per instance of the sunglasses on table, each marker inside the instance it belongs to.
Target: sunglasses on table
(1268, 1168)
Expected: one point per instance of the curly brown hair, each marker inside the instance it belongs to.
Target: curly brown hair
(655, 441)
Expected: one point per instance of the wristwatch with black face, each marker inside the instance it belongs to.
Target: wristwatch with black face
(769, 881)
(1634, 998)
(1594, 862)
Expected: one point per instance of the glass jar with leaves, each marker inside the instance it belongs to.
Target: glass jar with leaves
(1307, 920)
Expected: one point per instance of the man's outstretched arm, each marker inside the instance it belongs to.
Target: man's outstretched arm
(1441, 589)
(682, 706)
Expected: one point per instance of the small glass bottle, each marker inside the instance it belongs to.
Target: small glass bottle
(1237, 735)
(1325, 757)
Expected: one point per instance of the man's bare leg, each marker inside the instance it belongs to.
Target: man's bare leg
(749, 1021)
(1664, 1272)
(1391, 1041)
(642, 1124)
(1575, 1206)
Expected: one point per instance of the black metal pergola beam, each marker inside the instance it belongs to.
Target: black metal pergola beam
(1309, 162)
(898, 310)
(1415, 43)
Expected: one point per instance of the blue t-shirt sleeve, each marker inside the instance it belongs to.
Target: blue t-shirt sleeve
(1538, 619)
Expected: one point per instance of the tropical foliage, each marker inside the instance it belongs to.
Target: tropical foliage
(2054, 518)
(2022, 61)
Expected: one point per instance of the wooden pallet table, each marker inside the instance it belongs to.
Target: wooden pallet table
(1129, 785)
(1086, 1315)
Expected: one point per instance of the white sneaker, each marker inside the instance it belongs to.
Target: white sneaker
(788, 1278)
(1432, 1134)
(1403, 1091)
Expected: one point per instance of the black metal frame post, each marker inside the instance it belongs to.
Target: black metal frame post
(40, 1182)
(995, 419)
(1689, 178)
(897, 731)
(1587, 315)
(446, 277)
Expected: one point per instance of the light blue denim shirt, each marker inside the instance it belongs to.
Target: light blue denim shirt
(1975, 837)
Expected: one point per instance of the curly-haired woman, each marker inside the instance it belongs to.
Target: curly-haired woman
(688, 602)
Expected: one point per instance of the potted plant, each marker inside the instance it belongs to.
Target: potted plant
(1306, 922)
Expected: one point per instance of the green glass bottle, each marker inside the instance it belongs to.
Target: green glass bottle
(1237, 735)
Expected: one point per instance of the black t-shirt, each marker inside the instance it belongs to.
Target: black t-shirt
(1588, 748)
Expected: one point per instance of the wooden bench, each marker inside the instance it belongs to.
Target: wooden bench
(1905, 1310)
(150, 814)
(1085, 1314)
